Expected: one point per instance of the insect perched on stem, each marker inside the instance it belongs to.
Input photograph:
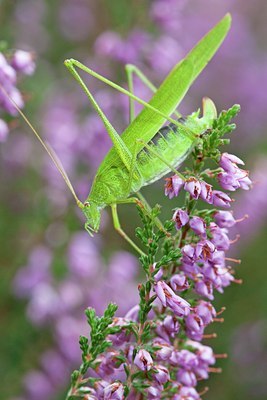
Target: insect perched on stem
(145, 151)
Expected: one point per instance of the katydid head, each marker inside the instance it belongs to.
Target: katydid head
(92, 213)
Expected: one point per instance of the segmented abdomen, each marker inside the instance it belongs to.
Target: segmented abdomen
(172, 146)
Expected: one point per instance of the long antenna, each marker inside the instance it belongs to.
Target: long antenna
(47, 148)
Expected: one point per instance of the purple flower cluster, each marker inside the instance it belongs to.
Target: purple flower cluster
(189, 364)
(172, 359)
(21, 62)
(233, 177)
(203, 260)
(230, 178)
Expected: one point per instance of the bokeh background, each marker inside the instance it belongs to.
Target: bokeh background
(50, 269)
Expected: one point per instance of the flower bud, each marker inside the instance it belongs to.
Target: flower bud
(187, 393)
(22, 61)
(162, 374)
(198, 225)
(181, 218)
(228, 181)
(221, 199)
(166, 295)
(173, 186)
(187, 378)
(245, 183)
(179, 282)
(206, 311)
(114, 391)
(192, 185)
(143, 360)
(228, 162)
(206, 192)
(224, 219)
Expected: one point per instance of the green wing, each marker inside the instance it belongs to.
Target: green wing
(171, 92)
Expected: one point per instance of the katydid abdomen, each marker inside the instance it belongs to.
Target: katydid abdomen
(113, 185)
(171, 145)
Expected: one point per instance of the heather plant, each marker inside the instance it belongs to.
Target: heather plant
(156, 350)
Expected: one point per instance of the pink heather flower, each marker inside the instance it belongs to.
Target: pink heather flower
(143, 360)
(194, 322)
(158, 275)
(99, 386)
(219, 237)
(16, 96)
(179, 306)
(206, 192)
(108, 365)
(189, 254)
(193, 186)
(204, 288)
(7, 73)
(171, 325)
(232, 181)
(191, 270)
(206, 311)
(120, 337)
(187, 378)
(209, 273)
(90, 397)
(181, 218)
(224, 219)
(205, 249)
(228, 162)
(204, 353)
(228, 181)
(4, 130)
(114, 391)
(162, 374)
(167, 329)
(205, 358)
(173, 186)
(221, 199)
(194, 327)
(179, 282)
(218, 258)
(165, 349)
(198, 225)
(154, 392)
(88, 393)
(187, 393)
(132, 314)
(225, 278)
(245, 183)
(22, 61)
(185, 359)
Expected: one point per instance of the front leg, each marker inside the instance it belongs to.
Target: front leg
(117, 226)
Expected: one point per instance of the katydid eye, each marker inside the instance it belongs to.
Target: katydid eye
(86, 204)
